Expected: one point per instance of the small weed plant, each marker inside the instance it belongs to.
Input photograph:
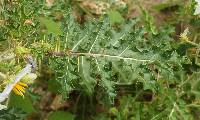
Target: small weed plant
(131, 68)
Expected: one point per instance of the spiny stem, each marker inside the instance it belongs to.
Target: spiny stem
(172, 111)
(93, 43)
(123, 51)
(97, 64)
(66, 40)
(78, 43)
(118, 40)
(95, 39)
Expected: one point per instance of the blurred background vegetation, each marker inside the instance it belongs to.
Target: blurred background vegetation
(159, 91)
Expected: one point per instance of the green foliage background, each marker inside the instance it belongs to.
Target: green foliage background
(128, 66)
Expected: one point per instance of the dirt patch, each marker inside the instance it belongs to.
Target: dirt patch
(150, 5)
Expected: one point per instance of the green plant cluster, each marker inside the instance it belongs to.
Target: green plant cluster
(150, 73)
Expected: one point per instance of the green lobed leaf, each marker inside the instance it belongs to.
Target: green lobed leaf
(23, 103)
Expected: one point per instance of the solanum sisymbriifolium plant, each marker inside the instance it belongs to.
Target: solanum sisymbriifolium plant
(143, 68)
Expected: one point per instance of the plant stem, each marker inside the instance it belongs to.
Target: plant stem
(97, 55)
(109, 56)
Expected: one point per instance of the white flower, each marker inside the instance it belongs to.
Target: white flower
(197, 10)
(2, 107)
(4, 95)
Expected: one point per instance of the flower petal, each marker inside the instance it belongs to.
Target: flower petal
(197, 10)
(2, 107)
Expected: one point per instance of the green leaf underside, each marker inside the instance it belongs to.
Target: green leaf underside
(52, 27)
(61, 115)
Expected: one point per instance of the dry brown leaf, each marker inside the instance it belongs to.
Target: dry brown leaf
(58, 103)
(49, 3)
